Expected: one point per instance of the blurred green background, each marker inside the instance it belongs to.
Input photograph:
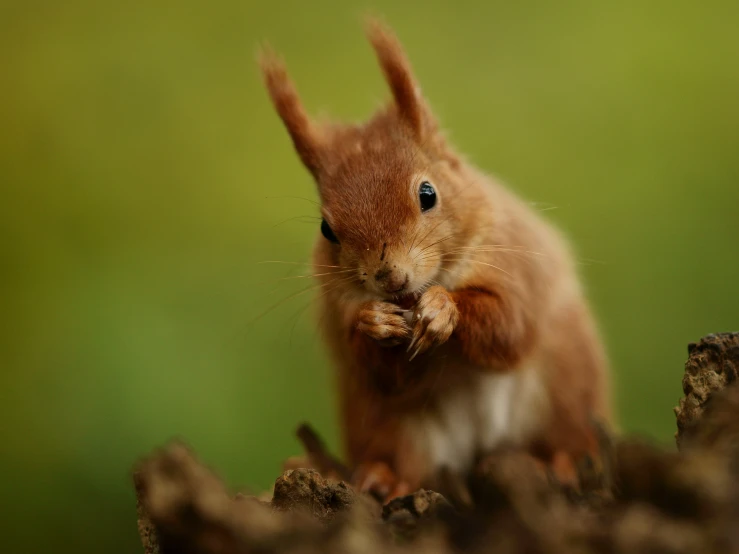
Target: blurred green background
(145, 175)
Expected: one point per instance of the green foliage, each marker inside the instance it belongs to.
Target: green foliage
(144, 175)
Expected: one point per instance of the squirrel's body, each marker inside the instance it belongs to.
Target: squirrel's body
(452, 310)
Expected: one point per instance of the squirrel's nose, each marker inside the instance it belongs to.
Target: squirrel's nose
(382, 273)
(391, 280)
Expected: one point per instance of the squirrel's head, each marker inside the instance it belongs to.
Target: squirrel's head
(388, 187)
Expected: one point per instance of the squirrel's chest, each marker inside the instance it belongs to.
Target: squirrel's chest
(496, 409)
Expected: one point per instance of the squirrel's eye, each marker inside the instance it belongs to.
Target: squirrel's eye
(427, 195)
(328, 233)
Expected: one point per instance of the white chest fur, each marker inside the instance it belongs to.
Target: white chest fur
(499, 408)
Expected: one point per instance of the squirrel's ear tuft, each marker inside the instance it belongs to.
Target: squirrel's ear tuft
(304, 134)
(398, 74)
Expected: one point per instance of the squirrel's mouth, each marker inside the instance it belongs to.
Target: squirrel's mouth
(406, 301)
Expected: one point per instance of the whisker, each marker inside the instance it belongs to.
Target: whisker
(311, 217)
(437, 267)
(257, 318)
(519, 254)
(298, 263)
(585, 261)
(296, 197)
(496, 246)
(499, 248)
(482, 263)
(492, 248)
(446, 238)
(316, 274)
(290, 297)
(489, 249)
(444, 220)
(413, 239)
(300, 312)
(433, 282)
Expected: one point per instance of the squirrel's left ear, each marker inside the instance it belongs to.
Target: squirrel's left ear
(398, 73)
(306, 136)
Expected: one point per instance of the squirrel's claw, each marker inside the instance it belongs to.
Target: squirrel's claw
(435, 318)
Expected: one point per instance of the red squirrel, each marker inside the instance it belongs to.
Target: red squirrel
(452, 311)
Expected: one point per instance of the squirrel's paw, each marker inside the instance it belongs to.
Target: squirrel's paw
(434, 320)
(383, 322)
(378, 479)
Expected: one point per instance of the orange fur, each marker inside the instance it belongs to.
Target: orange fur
(424, 305)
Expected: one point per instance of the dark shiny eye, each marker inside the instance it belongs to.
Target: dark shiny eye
(427, 195)
(327, 232)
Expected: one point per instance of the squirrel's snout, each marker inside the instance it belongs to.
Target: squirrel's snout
(391, 279)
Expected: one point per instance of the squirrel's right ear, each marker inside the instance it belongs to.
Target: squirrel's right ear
(399, 75)
(282, 91)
